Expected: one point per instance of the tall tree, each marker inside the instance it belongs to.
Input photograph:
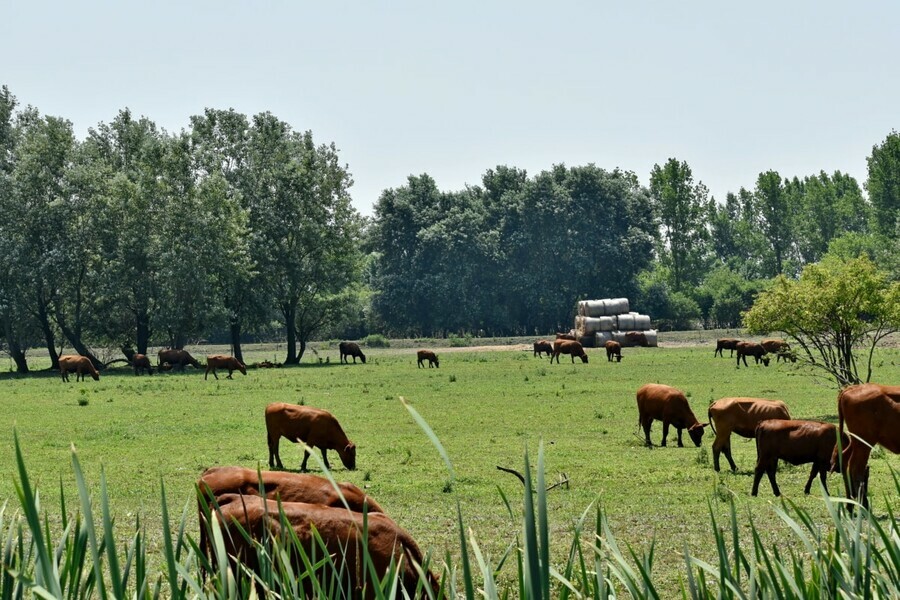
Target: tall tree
(775, 218)
(682, 207)
(883, 185)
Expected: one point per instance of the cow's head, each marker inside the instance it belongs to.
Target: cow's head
(765, 361)
(95, 375)
(362, 357)
(242, 367)
(348, 456)
(583, 357)
(619, 357)
(437, 364)
(696, 432)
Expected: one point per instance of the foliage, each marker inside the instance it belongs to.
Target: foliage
(375, 340)
(836, 311)
(883, 185)
(669, 309)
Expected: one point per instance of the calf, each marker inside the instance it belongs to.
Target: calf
(669, 405)
(341, 531)
(613, 348)
(177, 359)
(726, 344)
(223, 361)
(431, 357)
(315, 427)
(741, 416)
(351, 349)
(745, 349)
(542, 346)
(797, 442)
(568, 347)
(78, 364)
(141, 362)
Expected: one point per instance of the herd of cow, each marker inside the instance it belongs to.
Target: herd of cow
(758, 350)
(566, 343)
(871, 413)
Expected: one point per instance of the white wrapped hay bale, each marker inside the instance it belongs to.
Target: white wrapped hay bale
(592, 308)
(607, 323)
(625, 322)
(652, 337)
(616, 306)
(619, 336)
(602, 337)
(589, 325)
(641, 322)
(586, 341)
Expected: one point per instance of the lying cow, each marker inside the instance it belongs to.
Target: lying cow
(341, 532)
(795, 442)
(871, 413)
(669, 405)
(726, 344)
(80, 365)
(568, 347)
(636, 338)
(740, 416)
(223, 361)
(542, 346)
(745, 349)
(566, 336)
(431, 357)
(315, 427)
(351, 349)
(613, 348)
(141, 362)
(177, 359)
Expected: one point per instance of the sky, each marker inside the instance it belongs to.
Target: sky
(455, 88)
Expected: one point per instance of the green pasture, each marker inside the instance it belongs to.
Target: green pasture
(486, 407)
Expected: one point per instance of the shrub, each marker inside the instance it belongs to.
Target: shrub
(375, 340)
(460, 342)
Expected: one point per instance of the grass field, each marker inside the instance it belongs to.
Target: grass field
(485, 406)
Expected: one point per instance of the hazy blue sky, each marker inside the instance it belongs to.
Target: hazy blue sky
(455, 88)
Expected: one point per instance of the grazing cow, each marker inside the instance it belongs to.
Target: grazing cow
(78, 364)
(797, 442)
(741, 416)
(872, 414)
(726, 344)
(351, 349)
(431, 357)
(613, 348)
(669, 405)
(223, 361)
(568, 347)
(177, 359)
(542, 346)
(636, 338)
(315, 427)
(745, 349)
(141, 362)
(775, 346)
(341, 531)
(566, 336)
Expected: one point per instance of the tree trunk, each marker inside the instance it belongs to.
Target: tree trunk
(290, 319)
(49, 338)
(15, 350)
(143, 332)
(78, 344)
(236, 340)
(302, 348)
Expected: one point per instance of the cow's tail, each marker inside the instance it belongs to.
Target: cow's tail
(710, 419)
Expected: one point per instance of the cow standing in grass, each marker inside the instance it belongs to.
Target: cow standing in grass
(740, 416)
(669, 405)
(613, 348)
(223, 361)
(574, 349)
(795, 442)
(80, 365)
(351, 349)
(177, 359)
(726, 344)
(542, 346)
(431, 357)
(141, 362)
(315, 427)
(745, 349)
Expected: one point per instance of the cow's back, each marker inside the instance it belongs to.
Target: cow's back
(742, 415)
(659, 399)
(872, 412)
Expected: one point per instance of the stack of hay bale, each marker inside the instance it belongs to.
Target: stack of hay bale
(598, 321)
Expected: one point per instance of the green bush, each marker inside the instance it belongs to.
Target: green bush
(460, 342)
(375, 340)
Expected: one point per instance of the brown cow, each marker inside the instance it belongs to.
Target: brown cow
(340, 530)
(872, 414)
(177, 359)
(351, 349)
(223, 361)
(568, 347)
(141, 362)
(315, 427)
(542, 346)
(726, 344)
(741, 416)
(775, 346)
(431, 357)
(78, 364)
(745, 349)
(669, 405)
(797, 442)
(613, 348)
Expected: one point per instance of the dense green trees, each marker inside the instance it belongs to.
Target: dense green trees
(136, 236)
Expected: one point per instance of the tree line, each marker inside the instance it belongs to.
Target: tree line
(242, 226)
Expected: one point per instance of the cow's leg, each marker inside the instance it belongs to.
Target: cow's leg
(757, 477)
(325, 458)
(727, 452)
(665, 433)
(717, 449)
(305, 458)
(771, 473)
(274, 455)
(680, 430)
(230, 371)
(856, 471)
(646, 424)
